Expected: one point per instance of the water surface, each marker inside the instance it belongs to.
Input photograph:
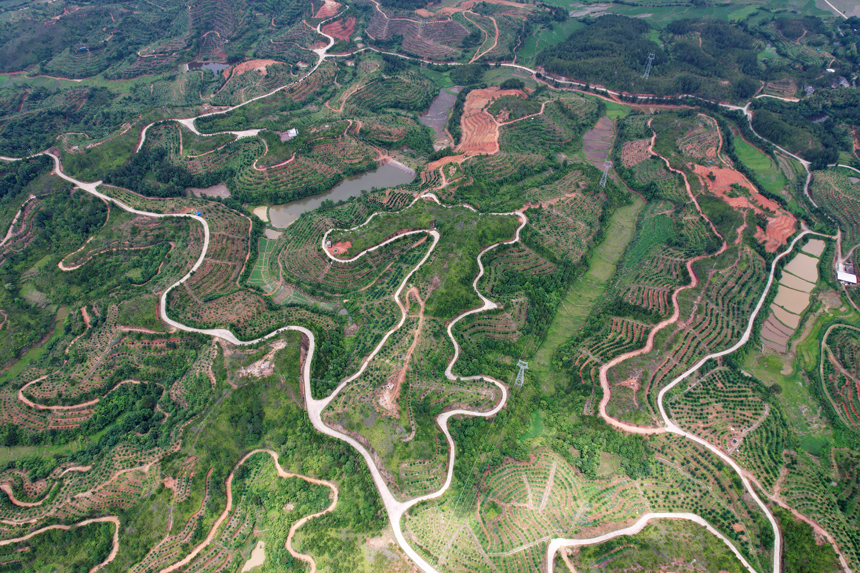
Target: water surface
(388, 175)
(214, 67)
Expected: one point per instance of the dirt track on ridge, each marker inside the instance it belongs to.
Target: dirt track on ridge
(480, 130)
(649, 345)
(109, 519)
(228, 508)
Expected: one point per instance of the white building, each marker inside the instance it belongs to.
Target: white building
(846, 278)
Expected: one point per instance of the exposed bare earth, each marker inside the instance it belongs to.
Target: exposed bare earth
(598, 140)
(635, 152)
(258, 65)
(328, 9)
(340, 248)
(390, 397)
(781, 224)
(480, 130)
(342, 29)
(219, 190)
(258, 557)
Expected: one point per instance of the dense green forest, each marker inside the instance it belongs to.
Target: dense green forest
(814, 128)
(711, 58)
(77, 550)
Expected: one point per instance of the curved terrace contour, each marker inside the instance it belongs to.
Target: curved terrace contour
(395, 509)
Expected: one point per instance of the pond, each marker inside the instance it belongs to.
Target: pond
(389, 175)
(437, 116)
(214, 67)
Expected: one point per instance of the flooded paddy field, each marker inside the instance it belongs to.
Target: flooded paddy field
(793, 297)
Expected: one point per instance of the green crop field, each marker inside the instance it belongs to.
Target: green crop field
(765, 169)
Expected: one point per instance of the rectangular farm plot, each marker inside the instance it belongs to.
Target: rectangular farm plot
(776, 332)
(792, 300)
(789, 319)
(261, 276)
(815, 247)
(796, 283)
(804, 266)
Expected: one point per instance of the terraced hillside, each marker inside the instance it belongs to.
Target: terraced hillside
(231, 342)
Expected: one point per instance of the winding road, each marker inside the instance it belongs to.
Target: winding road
(637, 527)
(394, 508)
(109, 519)
(224, 514)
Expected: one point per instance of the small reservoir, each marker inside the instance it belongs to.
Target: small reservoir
(388, 175)
(437, 116)
(214, 67)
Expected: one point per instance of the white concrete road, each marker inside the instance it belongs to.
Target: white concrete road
(394, 508)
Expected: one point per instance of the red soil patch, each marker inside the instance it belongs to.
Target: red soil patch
(598, 140)
(468, 4)
(424, 13)
(339, 248)
(480, 129)
(328, 10)
(635, 152)
(781, 224)
(342, 29)
(259, 65)
(444, 161)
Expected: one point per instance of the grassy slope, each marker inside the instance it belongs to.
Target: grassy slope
(766, 170)
(588, 288)
(545, 38)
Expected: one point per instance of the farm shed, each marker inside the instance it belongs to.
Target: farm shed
(847, 278)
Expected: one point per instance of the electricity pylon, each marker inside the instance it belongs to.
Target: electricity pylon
(648, 68)
(606, 166)
(521, 377)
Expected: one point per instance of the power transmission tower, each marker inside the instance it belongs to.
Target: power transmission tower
(606, 166)
(648, 68)
(521, 377)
